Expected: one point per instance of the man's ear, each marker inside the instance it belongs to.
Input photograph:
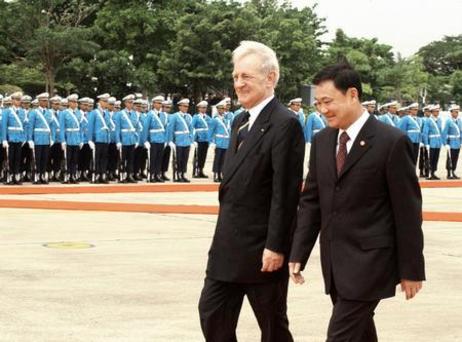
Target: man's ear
(271, 77)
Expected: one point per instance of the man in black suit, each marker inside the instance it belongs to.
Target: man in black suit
(362, 196)
(258, 205)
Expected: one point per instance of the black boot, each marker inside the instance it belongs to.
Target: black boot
(454, 175)
(177, 178)
(130, 179)
(215, 178)
(152, 178)
(158, 179)
(202, 174)
(185, 180)
(449, 176)
(164, 177)
(104, 179)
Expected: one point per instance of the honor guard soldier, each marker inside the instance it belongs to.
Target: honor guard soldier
(411, 124)
(117, 106)
(390, 117)
(100, 126)
(140, 151)
(26, 150)
(229, 115)
(14, 136)
(154, 138)
(370, 107)
(2, 152)
(41, 136)
(56, 153)
(200, 125)
(71, 138)
(219, 135)
(127, 137)
(314, 124)
(180, 138)
(295, 105)
(166, 108)
(85, 154)
(424, 159)
(112, 155)
(432, 139)
(452, 140)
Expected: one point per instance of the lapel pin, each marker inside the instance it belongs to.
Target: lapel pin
(362, 143)
(262, 130)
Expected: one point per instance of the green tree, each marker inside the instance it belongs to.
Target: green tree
(443, 57)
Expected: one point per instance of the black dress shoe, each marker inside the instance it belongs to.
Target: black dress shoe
(202, 175)
(159, 179)
(165, 178)
(130, 179)
(454, 176)
(185, 180)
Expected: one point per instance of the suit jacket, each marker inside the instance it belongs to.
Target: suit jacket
(369, 217)
(258, 196)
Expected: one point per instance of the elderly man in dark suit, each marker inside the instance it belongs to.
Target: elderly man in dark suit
(363, 198)
(258, 204)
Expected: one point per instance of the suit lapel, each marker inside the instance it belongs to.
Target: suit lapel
(361, 145)
(259, 128)
(331, 147)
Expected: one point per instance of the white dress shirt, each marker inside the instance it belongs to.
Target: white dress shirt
(255, 111)
(353, 130)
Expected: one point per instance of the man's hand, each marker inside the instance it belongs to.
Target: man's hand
(295, 274)
(411, 288)
(271, 261)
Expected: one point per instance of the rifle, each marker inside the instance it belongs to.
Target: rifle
(93, 166)
(34, 165)
(7, 166)
(174, 169)
(65, 165)
(149, 166)
(195, 163)
(120, 167)
(449, 162)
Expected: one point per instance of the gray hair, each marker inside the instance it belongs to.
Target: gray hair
(267, 55)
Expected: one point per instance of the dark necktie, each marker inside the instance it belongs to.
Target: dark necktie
(243, 129)
(342, 151)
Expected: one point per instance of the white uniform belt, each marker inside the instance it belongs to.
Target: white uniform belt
(42, 130)
(201, 129)
(15, 129)
(414, 131)
(181, 132)
(222, 136)
(454, 136)
(434, 136)
(72, 129)
(316, 130)
(127, 130)
(157, 130)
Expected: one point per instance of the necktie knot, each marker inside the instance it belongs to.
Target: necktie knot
(344, 138)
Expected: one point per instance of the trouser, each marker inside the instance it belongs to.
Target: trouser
(351, 320)
(14, 157)
(416, 152)
(84, 159)
(2, 158)
(72, 154)
(101, 154)
(42, 153)
(218, 161)
(434, 156)
(202, 148)
(140, 160)
(182, 156)
(423, 160)
(128, 157)
(220, 305)
(113, 157)
(56, 157)
(26, 159)
(166, 159)
(451, 164)
(156, 156)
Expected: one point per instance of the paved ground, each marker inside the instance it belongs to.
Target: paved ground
(141, 279)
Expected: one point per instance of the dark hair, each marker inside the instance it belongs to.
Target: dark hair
(343, 75)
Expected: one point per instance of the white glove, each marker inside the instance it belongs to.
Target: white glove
(91, 144)
(421, 145)
(63, 146)
(195, 144)
(80, 146)
(5, 144)
(212, 146)
(165, 145)
(31, 144)
(172, 145)
(136, 145)
(119, 146)
(448, 148)
(427, 147)
(147, 145)
(52, 143)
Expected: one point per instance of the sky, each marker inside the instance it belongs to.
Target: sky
(406, 25)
